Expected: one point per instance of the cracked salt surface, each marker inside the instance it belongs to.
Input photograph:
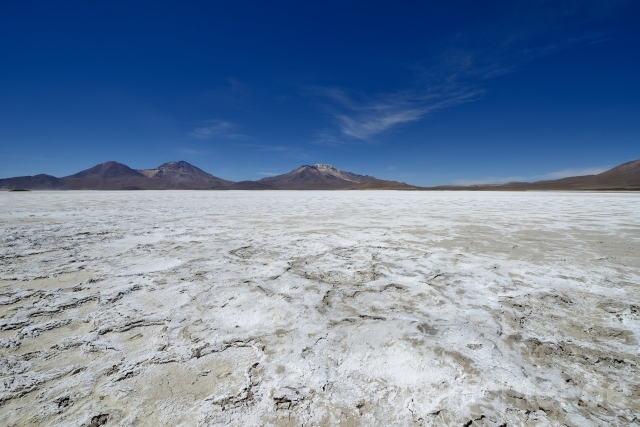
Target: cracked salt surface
(319, 308)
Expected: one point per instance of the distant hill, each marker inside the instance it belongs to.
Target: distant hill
(184, 176)
(624, 177)
(36, 182)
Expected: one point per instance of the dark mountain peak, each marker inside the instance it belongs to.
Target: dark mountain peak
(181, 174)
(179, 165)
(107, 170)
(174, 169)
(181, 168)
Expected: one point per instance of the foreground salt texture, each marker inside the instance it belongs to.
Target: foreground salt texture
(319, 308)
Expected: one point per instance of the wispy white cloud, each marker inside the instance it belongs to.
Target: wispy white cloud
(371, 120)
(219, 129)
(362, 117)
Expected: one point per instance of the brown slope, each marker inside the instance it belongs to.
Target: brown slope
(625, 177)
(378, 184)
(251, 185)
(316, 177)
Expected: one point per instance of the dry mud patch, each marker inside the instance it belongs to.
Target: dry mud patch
(319, 308)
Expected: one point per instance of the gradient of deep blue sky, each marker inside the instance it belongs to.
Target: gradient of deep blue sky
(431, 93)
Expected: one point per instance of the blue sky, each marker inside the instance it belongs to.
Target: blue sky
(432, 93)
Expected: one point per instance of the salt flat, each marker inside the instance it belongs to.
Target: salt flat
(319, 308)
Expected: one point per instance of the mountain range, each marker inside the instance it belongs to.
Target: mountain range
(184, 176)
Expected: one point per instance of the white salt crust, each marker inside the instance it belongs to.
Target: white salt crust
(319, 308)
